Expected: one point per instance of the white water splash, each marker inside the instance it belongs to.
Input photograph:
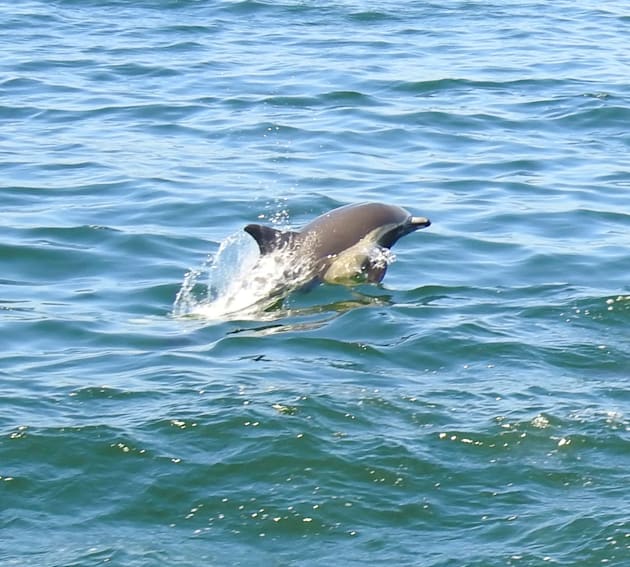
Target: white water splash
(240, 282)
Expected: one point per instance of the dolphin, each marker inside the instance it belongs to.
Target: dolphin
(342, 245)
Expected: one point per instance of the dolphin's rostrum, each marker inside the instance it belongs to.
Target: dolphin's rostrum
(342, 246)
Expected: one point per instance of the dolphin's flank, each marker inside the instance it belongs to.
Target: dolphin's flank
(339, 246)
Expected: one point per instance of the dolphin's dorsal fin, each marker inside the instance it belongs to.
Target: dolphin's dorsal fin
(269, 239)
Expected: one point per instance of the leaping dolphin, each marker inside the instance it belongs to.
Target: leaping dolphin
(339, 246)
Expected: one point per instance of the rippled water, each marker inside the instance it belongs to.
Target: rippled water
(471, 410)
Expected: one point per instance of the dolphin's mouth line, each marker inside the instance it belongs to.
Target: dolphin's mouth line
(419, 222)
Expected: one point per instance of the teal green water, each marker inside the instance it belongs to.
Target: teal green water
(473, 409)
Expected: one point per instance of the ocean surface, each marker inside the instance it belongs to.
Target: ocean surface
(471, 410)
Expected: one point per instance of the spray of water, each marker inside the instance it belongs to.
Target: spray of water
(239, 282)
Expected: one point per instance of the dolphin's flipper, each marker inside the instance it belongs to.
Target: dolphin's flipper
(270, 239)
(375, 272)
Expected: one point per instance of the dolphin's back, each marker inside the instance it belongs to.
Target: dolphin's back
(342, 228)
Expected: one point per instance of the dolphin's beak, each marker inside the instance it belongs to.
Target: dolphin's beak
(419, 222)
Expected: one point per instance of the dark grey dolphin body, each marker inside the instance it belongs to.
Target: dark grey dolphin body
(339, 246)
